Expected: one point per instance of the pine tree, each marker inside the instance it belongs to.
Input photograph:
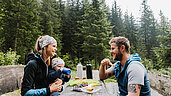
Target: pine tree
(28, 26)
(71, 32)
(50, 20)
(148, 29)
(21, 24)
(117, 21)
(131, 31)
(2, 39)
(163, 52)
(95, 32)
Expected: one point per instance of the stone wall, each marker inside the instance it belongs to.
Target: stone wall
(160, 82)
(10, 77)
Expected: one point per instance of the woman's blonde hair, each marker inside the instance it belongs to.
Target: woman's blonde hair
(42, 50)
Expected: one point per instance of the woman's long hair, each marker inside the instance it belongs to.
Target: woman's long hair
(40, 50)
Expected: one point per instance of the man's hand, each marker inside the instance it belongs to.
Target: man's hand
(105, 62)
(134, 89)
(103, 73)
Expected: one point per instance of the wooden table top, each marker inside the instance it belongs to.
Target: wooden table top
(110, 90)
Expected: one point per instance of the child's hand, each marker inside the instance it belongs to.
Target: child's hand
(61, 68)
(68, 75)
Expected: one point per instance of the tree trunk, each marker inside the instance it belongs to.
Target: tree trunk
(17, 28)
(16, 35)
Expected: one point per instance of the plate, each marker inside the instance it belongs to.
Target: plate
(95, 89)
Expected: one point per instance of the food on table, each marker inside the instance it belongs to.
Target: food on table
(76, 78)
(90, 86)
(81, 85)
(84, 78)
(78, 87)
(81, 81)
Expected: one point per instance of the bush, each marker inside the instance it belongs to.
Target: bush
(148, 63)
(70, 63)
(166, 71)
(2, 58)
(9, 58)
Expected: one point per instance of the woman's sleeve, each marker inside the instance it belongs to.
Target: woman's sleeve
(37, 92)
(27, 88)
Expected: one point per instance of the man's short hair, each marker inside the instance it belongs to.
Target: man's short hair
(119, 41)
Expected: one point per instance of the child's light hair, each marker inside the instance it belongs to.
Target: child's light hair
(57, 61)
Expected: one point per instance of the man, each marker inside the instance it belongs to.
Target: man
(129, 72)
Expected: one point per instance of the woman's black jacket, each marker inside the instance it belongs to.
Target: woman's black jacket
(36, 75)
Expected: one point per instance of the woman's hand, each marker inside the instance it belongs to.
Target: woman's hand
(56, 86)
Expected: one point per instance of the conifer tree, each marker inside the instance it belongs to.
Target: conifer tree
(117, 21)
(2, 39)
(50, 20)
(21, 24)
(163, 52)
(95, 30)
(71, 32)
(131, 31)
(148, 29)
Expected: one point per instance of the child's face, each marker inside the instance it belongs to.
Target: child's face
(59, 66)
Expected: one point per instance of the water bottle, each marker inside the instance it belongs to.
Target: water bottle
(89, 71)
(66, 71)
(79, 70)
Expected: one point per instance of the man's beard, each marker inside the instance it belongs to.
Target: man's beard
(119, 56)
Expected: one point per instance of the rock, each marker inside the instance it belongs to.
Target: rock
(160, 82)
(10, 78)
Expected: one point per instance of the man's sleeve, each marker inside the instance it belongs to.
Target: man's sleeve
(135, 74)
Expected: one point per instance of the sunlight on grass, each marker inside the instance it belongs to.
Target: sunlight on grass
(14, 93)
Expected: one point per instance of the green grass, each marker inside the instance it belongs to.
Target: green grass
(110, 80)
(14, 93)
(73, 74)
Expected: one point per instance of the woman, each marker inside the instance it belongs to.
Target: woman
(35, 81)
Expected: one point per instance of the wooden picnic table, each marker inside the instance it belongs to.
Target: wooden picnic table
(110, 90)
